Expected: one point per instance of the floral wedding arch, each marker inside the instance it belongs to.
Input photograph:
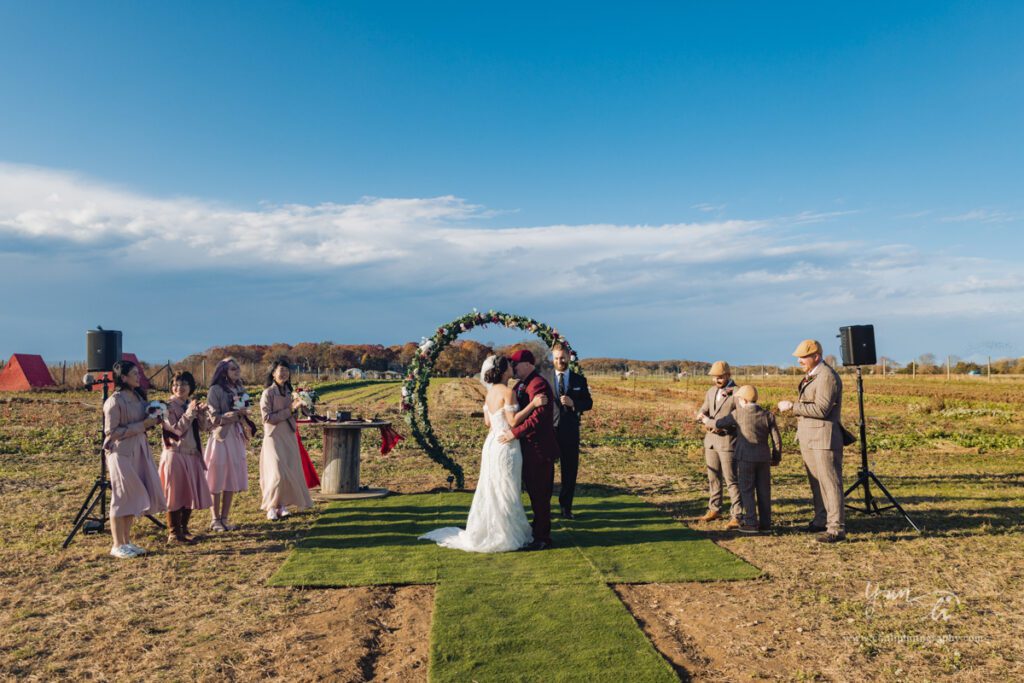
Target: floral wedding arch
(414, 388)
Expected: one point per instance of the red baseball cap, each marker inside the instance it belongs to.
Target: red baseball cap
(523, 356)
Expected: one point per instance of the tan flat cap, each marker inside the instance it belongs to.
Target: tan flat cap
(748, 393)
(808, 347)
(719, 368)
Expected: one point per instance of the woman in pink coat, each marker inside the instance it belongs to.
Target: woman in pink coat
(227, 471)
(182, 470)
(134, 483)
(281, 479)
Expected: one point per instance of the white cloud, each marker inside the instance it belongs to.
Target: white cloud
(439, 244)
(981, 216)
(708, 208)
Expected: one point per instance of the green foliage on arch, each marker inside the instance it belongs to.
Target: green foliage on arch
(414, 389)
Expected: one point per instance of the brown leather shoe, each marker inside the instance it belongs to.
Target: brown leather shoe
(709, 515)
(175, 534)
(186, 516)
(733, 524)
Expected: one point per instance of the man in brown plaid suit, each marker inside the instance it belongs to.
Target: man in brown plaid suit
(820, 435)
(719, 445)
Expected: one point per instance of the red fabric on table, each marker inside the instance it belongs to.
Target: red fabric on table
(312, 479)
(389, 438)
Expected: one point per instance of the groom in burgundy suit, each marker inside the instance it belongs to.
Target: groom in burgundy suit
(539, 443)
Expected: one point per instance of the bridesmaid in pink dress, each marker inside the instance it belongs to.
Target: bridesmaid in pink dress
(281, 479)
(227, 471)
(134, 483)
(182, 470)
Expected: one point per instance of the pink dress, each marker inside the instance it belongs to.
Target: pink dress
(225, 455)
(281, 479)
(134, 482)
(182, 470)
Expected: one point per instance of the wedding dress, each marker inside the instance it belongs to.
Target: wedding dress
(497, 521)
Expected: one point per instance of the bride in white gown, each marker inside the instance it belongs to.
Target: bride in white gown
(497, 521)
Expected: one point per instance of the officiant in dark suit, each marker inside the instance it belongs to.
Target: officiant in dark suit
(572, 400)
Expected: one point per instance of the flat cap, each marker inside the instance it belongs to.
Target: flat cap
(523, 356)
(719, 368)
(808, 347)
(747, 392)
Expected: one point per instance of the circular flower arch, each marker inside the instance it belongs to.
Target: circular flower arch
(414, 388)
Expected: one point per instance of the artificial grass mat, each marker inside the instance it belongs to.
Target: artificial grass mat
(517, 616)
(530, 632)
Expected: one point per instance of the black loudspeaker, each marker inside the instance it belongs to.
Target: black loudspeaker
(102, 349)
(858, 344)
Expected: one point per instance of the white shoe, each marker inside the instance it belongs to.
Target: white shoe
(135, 549)
(272, 515)
(122, 552)
(217, 525)
(282, 511)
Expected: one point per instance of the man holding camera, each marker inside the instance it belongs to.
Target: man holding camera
(820, 435)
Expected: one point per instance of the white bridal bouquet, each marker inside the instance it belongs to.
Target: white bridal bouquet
(243, 401)
(156, 409)
(308, 398)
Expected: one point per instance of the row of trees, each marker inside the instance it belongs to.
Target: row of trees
(464, 358)
(930, 364)
(643, 367)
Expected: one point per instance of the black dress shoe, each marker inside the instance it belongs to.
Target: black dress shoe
(567, 514)
(538, 545)
(830, 538)
(814, 528)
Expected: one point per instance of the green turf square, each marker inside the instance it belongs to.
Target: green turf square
(531, 632)
(630, 541)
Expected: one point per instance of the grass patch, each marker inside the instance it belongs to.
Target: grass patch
(525, 616)
(617, 539)
(524, 632)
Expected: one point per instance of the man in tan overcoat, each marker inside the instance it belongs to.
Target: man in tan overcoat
(820, 434)
(719, 445)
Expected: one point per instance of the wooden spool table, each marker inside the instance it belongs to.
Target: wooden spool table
(339, 476)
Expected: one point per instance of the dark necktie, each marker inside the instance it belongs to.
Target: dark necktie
(561, 384)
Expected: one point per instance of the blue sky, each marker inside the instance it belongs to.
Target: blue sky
(668, 180)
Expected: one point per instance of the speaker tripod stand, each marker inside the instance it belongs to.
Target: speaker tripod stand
(865, 476)
(87, 519)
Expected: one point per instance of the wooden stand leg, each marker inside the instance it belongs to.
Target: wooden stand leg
(341, 461)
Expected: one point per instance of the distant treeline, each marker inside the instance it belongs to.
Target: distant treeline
(643, 367)
(462, 358)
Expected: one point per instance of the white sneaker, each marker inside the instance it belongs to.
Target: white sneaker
(122, 552)
(282, 511)
(136, 549)
(272, 515)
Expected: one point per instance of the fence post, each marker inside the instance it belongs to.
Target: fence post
(947, 368)
(204, 372)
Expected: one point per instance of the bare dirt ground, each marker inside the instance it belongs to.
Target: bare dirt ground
(887, 605)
